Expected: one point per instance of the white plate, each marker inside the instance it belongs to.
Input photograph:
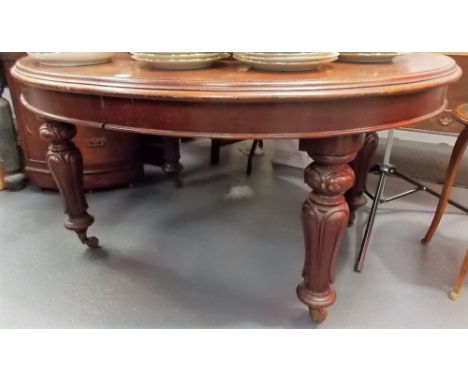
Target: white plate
(284, 66)
(180, 63)
(175, 55)
(288, 56)
(71, 58)
(285, 57)
(369, 57)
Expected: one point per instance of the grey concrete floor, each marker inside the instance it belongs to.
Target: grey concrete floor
(193, 258)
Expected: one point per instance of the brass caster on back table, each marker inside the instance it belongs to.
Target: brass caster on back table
(318, 315)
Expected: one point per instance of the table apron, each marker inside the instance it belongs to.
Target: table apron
(237, 120)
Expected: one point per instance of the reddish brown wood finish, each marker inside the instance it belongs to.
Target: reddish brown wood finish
(461, 115)
(457, 94)
(291, 104)
(66, 165)
(325, 216)
(329, 110)
(233, 81)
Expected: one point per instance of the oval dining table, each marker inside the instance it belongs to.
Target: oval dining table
(331, 110)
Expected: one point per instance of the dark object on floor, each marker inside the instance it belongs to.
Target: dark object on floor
(461, 115)
(9, 150)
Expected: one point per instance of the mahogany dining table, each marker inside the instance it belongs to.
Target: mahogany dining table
(334, 111)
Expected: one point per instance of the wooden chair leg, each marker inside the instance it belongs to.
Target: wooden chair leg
(460, 278)
(452, 170)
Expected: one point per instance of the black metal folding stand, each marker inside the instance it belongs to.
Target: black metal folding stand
(256, 142)
(386, 169)
(216, 144)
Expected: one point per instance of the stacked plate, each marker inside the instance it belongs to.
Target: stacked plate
(71, 58)
(370, 57)
(178, 60)
(286, 61)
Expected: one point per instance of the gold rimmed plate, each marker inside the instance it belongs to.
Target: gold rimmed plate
(176, 55)
(284, 66)
(71, 58)
(287, 57)
(179, 63)
(368, 57)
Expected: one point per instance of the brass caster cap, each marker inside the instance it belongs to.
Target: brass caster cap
(317, 315)
(453, 296)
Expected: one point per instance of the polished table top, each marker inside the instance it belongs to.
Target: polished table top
(334, 112)
(249, 103)
(235, 81)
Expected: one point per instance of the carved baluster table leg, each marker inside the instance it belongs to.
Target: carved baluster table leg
(66, 165)
(171, 165)
(361, 165)
(325, 216)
